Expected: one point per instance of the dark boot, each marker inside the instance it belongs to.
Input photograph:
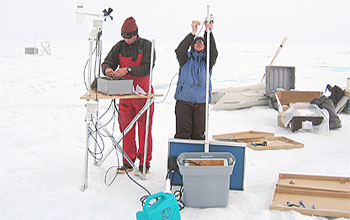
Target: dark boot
(125, 168)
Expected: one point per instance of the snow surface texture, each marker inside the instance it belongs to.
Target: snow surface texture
(43, 132)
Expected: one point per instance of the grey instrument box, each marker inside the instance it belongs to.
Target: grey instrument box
(279, 77)
(31, 50)
(206, 185)
(109, 86)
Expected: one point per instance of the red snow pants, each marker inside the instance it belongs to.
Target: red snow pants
(128, 109)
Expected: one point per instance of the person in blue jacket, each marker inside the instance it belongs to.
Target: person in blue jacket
(191, 85)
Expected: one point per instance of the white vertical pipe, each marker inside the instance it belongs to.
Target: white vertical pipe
(206, 146)
(98, 59)
(91, 42)
(151, 68)
(148, 110)
(99, 54)
(84, 180)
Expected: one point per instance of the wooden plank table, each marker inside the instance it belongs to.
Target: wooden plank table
(97, 96)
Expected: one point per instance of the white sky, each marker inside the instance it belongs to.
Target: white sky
(263, 21)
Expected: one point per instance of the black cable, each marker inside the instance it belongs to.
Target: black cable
(98, 155)
(114, 177)
(95, 153)
(110, 105)
(97, 130)
(178, 196)
(109, 120)
(172, 177)
(115, 110)
(142, 187)
(84, 77)
(143, 200)
(116, 173)
(101, 149)
(166, 95)
(115, 147)
(190, 162)
(177, 193)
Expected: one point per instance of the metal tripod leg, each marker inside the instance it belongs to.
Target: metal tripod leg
(91, 108)
(126, 130)
(148, 103)
(84, 180)
(146, 140)
(95, 143)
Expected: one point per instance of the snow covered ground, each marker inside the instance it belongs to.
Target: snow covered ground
(43, 132)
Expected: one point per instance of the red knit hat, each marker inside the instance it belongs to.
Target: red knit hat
(129, 25)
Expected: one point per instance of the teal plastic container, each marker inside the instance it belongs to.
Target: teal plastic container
(165, 208)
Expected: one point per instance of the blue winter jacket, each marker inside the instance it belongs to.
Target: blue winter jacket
(191, 85)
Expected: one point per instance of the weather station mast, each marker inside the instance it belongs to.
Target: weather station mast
(91, 106)
(94, 36)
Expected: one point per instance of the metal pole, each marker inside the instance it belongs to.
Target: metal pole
(84, 180)
(148, 110)
(91, 42)
(98, 58)
(95, 143)
(99, 53)
(91, 109)
(206, 146)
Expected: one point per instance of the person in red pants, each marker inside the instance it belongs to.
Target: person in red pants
(130, 58)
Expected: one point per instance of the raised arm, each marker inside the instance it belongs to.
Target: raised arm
(182, 49)
(213, 50)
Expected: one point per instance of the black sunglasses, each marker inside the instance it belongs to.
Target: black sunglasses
(127, 35)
